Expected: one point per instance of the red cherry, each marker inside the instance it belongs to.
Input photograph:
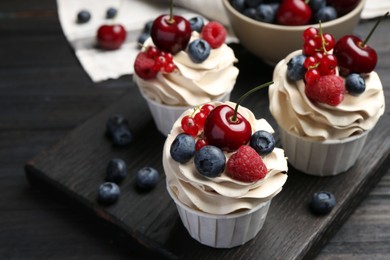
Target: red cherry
(353, 56)
(111, 37)
(293, 12)
(171, 33)
(223, 131)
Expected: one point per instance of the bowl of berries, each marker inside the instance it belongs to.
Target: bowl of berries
(271, 29)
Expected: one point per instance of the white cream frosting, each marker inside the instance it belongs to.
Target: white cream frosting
(223, 195)
(295, 113)
(192, 83)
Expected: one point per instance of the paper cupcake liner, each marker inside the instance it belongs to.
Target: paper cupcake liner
(222, 231)
(165, 116)
(326, 158)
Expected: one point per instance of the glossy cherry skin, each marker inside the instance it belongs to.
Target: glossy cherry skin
(171, 36)
(111, 37)
(353, 57)
(293, 12)
(221, 131)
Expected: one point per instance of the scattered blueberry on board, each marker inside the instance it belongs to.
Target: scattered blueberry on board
(108, 193)
(118, 130)
(147, 178)
(263, 142)
(322, 202)
(83, 16)
(210, 161)
(182, 148)
(116, 170)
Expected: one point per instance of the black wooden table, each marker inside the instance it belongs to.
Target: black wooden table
(45, 94)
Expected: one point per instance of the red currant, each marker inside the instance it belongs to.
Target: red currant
(310, 62)
(169, 67)
(328, 64)
(310, 33)
(207, 108)
(329, 41)
(189, 126)
(200, 119)
(310, 47)
(152, 52)
(312, 76)
(200, 143)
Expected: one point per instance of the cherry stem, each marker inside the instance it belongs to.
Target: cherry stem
(373, 29)
(171, 20)
(234, 117)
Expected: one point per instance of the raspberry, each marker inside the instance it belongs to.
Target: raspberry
(214, 33)
(328, 89)
(144, 66)
(246, 165)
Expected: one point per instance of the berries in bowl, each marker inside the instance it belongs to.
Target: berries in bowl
(271, 40)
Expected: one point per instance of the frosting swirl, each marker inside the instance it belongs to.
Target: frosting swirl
(192, 83)
(295, 113)
(223, 195)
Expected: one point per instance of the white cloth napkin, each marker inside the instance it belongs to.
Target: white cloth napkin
(375, 8)
(133, 15)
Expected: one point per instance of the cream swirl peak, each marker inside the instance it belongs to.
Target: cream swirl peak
(223, 195)
(192, 84)
(293, 110)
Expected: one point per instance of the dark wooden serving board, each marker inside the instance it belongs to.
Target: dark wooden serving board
(75, 167)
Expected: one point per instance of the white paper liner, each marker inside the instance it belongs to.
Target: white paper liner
(327, 158)
(165, 116)
(222, 231)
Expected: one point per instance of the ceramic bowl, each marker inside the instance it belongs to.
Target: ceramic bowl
(272, 42)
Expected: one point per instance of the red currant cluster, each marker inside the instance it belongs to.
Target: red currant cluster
(163, 61)
(318, 61)
(193, 123)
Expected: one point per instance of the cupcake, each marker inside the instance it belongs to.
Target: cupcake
(324, 106)
(223, 188)
(199, 71)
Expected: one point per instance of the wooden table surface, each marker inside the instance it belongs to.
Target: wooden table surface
(45, 93)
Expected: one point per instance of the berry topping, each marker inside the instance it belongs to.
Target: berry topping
(322, 202)
(182, 148)
(246, 165)
(214, 33)
(293, 12)
(116, 170)
(147, 178)
(189, 125)
(355, 84)
(200, 143)
(295, 68)
(199, 50)
(144, 66)
(108, 193)
(328, 89)
(197, 23)
(83, 16)
(210, 161)
(263, 142)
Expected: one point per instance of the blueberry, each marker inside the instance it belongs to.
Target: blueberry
(142, 38)
(83, 16)
(199, 50)
(108, 193)
(263, 142)
(295, 69)
(147, 27)
(322, 202)
(325, 14)
(116, 170)
(117, 129)
(111, 12)
(265, 13)
(182, 148)
(210, 161)
(253, 3)
(355, 84)
(316, 5)
(239, 5)
(147, 178)
(250, 12)
(196, 23)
